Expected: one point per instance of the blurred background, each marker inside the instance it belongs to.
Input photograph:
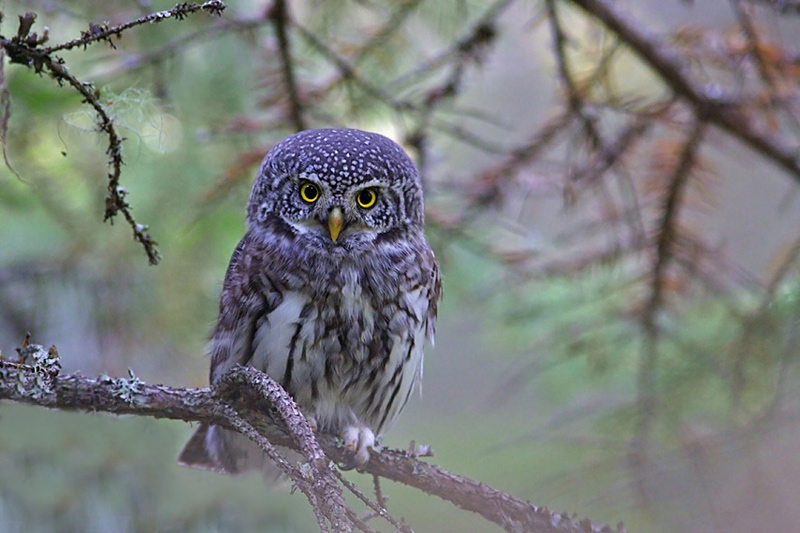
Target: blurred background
(619, 331)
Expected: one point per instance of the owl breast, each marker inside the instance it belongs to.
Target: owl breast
(348, 349)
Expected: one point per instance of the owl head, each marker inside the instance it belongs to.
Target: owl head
(336, 187)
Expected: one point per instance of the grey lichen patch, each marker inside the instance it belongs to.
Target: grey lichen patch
(307, 471)
(415, 451)
(125, 389)
(43, 361)
(32, 354)
(45, 366)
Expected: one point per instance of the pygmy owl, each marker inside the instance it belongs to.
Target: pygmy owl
(332, 291)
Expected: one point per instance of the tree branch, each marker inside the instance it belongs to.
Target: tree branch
(667, 231)
(104, 32)
(711, 106)
(35, 380)
(260, 387)
(27, 49)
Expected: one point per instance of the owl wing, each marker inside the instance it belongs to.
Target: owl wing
(417, 306)
(248, 295)
(434, 288)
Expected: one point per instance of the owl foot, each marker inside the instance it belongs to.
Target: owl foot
(357, 442)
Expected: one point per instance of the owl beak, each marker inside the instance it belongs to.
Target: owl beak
(335, 222)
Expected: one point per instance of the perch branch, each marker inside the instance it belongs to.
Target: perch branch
(324, 490)
(41, 384)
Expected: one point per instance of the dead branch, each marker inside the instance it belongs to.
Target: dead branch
(710, 104)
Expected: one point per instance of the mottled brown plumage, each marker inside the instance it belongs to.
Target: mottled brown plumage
(332, 291)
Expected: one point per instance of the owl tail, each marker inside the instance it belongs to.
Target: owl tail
(227, 452)
(195, 453)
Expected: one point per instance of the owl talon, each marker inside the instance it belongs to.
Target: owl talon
(357, 442)
(349, 464)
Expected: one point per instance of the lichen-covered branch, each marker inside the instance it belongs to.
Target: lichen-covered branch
(27, 48)
(36, 380)
(320, 483)
(104, 32)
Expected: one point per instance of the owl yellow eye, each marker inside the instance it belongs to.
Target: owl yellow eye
(309, 192)
(366, 198)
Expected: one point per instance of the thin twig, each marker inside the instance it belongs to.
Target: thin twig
(475, 36)
(391, 26)
(379, 507)
(5, 115)
(245, 428)
(647, 392)
(104, 32)
(346, 71)
(281, 21)
(205, 34)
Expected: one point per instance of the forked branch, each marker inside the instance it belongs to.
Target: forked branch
(36, 380)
